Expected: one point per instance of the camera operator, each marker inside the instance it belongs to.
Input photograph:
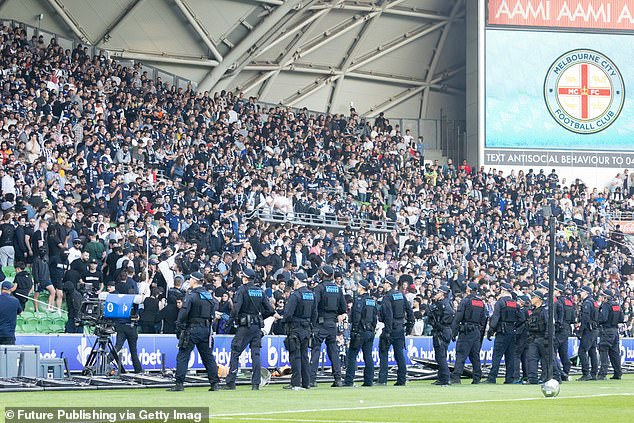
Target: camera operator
(127, 330)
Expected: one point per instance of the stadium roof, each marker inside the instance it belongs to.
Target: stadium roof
(405, 57)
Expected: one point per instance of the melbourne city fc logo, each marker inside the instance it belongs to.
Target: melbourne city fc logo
(584, 91)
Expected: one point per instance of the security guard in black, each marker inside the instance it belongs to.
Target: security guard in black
(363, 319)
(299, 313)
(330, 304)
(467, 326)
(506, 315)
(587, 333)
(610, 315)
(193, 328)
(537, 339)
(250, 308)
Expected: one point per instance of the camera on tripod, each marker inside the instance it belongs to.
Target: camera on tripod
(102, 314)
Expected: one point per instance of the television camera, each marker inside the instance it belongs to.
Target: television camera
(102, 313)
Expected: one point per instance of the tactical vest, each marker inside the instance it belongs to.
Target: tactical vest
(536, 323)
(474, 310)
(398, 306)
(368, 312)
(202, 305)
(330, 300)
(569, 311)
(253, 299)
(615, 315)
(594, 311)
(508, 312)
(305, 304)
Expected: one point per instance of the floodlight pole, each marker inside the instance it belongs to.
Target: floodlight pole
(551, 300)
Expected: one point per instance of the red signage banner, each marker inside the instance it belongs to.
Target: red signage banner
(591, 14)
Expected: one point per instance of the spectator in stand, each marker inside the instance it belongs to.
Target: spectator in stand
(123, 162)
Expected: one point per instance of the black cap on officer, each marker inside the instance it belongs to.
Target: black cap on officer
(505, 286)
(444, 289)
(524, 298)
(249, 274)
(473, 286)
(391, 280)
(196, 275)
(585, 289)
(298, 279)
(559, 287)
(327, 271)
(364, 284)
(539, 295)
(607, 293)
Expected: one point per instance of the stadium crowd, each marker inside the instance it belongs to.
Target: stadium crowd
(134, 184)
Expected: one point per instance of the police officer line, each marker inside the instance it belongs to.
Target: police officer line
(76, 347)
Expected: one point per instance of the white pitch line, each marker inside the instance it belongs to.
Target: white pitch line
(423, 404)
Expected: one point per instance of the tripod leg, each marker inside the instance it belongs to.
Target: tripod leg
(115, 354)
(89, 367)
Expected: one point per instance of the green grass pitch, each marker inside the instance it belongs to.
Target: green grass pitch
(417, 402)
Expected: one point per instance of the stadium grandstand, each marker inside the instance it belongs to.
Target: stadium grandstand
(146, 141)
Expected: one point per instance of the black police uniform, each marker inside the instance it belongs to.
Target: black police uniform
(520, 362)
(250, 309)
(538, 345)
(563, 331)
(468, 325)
(363, 316)
(194, 328)
(588, 331)
(441, 315)
(330, 303)
(505, 316)
(610, 315)
(299, 314)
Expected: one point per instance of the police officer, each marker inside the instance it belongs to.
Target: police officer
(587, 332)
(506, 315)
(250, 309)
(330, 304)
(441, 316)
(521, 339)
(537, 339)
(610, 315)
(398, 318)
(467, 326)
(299, 314)
(363, 318)
(9, 310)
(193, 329)
(563, 330)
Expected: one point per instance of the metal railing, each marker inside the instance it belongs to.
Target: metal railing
(329, 221)
(620, 215)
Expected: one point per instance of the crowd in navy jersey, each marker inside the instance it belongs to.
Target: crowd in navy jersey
(153, 182)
